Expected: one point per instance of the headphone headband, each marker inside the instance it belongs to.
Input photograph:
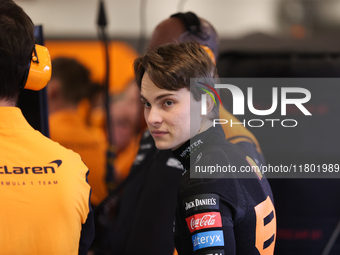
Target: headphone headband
(197, 30)
(194, 29)
(190, 20)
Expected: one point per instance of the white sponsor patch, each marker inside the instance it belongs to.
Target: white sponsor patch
(139, 158)
(173, 162)
(146, 134)
(145, 146)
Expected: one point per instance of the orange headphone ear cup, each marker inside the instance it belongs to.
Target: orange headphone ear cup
(210, 53)
(40, 69)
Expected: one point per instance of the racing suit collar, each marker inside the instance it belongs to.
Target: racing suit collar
(192, 148)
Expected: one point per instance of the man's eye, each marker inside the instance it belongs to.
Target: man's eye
(146, 104)
(168, 103)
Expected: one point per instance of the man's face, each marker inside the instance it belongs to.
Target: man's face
(125, 116)
(168, 114)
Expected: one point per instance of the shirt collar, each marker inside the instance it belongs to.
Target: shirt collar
(12, 117)
(192, 148)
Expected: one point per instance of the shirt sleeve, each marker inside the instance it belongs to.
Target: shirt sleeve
(208, 223)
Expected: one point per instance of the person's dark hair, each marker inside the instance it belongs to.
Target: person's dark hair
(170, 67)
(74, 78)
(16, 46)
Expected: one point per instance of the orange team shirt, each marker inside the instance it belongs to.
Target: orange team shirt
(44, 193)
(68, 128)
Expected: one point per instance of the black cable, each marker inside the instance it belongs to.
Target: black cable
(142, 28)
(111, 153)
(102, 24)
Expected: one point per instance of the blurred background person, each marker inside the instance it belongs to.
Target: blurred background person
(127, 125)
(69, 85)
(72, 99)
(91, 107)
(125, 115)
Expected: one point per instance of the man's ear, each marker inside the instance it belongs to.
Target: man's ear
(53, 89)
(210, 102)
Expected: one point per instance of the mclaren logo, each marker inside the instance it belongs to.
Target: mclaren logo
(48, 169)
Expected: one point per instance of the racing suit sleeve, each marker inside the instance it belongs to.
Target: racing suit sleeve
(205, 222)
(224, 216)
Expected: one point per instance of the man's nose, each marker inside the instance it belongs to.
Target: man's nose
(154, 116)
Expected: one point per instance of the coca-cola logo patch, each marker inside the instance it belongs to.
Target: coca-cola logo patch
(204, 220)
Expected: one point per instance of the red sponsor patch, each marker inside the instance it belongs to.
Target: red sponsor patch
(204, 220)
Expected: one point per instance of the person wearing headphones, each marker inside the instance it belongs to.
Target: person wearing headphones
(45, 194)
(149, 198)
